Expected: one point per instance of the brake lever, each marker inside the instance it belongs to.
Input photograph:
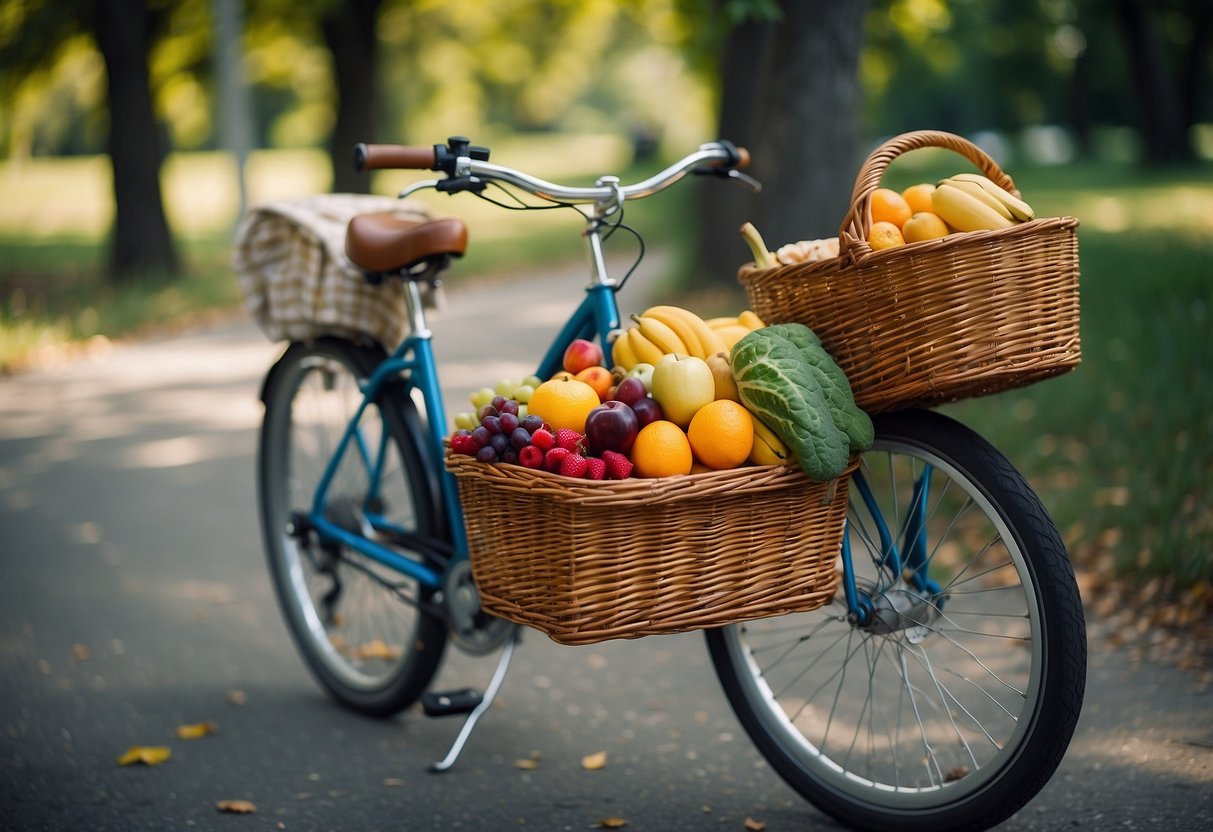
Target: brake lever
(731, 173)
(418, 186)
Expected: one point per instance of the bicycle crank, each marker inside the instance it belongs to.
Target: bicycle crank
(471, 628)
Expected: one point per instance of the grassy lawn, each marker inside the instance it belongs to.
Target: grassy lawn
(1121, 450)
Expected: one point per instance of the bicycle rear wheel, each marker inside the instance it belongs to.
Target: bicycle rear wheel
(357, 623)
(952, 708)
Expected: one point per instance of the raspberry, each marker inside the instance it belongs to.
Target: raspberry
(553, 458)
(570, 440)
(595, 468)
(543, 439)
(531, 456)
(573, 465)
(618, 466)
(463, 443)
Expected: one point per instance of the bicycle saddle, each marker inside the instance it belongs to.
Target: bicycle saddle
(388, 243)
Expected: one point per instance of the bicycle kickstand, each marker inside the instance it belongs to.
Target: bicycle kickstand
(490, 693)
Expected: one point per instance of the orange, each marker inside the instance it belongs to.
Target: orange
(924, 225)
(918, 197)
(885, 235)
(661, 449)
(721, 434)
(889, 206)
(563, 403)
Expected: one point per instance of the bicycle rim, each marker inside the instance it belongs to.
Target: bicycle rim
(356, 621)
(960, 713)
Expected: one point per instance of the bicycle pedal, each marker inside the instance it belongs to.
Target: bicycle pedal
(450, 702)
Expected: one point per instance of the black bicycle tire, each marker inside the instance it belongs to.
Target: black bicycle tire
(1059, 702)
(405, 424)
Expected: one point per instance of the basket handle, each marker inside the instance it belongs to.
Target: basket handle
(853, 236)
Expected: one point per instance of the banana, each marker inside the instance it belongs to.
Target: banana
(727, 320)
(763, 258)
(622, 354)
(768, 449)
(732, 334)
(709, 342)
(1019, 209)
(645, 350)
(750, 320)
(664, 338)
(679, 320)
(980, 194)
(965, 212)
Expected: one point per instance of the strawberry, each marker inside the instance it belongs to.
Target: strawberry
(618, 466)
(531, 456)
(543, 439)
(573, 465)
(570, 440)
(595, 469)
(553, 458)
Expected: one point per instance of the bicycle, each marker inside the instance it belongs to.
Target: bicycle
(938, 689)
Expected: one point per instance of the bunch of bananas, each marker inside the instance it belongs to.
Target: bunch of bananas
(970, 202)
(661, 330)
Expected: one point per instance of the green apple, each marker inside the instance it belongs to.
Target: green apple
(681, 385)
(644, 372)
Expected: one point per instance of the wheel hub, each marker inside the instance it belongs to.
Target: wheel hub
(900, 607)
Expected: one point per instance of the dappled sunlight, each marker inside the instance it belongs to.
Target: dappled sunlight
(172, 453)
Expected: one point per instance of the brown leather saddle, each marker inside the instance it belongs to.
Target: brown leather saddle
(382, 243)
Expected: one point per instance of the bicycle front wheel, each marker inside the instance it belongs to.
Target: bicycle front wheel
(951, 704)
(358, 624)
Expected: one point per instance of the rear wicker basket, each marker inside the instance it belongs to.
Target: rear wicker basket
(936, 321)
(585, 561)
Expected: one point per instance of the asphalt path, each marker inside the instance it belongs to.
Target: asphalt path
(134, 599)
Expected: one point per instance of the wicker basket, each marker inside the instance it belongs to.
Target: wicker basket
(585, 561)
(921, 324)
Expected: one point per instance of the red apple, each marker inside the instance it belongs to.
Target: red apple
(630, 390)
(647, 410)
(612, 426)
(581, 354)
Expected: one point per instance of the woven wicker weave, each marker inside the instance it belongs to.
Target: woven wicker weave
(585, 561)
(925, 323)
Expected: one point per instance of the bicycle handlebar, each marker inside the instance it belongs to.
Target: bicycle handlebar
(462, 161)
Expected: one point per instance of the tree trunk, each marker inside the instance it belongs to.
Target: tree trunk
(791, 94)
(141, 243)
(349, 31)
(1159, 109)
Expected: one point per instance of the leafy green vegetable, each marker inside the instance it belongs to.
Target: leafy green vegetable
(777, 387)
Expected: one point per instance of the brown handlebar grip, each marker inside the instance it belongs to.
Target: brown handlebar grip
(389, 156)
(743, 158)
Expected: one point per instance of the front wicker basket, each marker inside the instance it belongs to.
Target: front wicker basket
(585, 561)
(931, 322)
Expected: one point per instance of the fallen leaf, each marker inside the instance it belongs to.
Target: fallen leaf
(236, 697)
(754, 825)
(393, 781)
(81, 652)
(237, 807)
(376, 649)
(148, 755)
(612, 823)
(527, 764)
(197, 730)
(593, 762)
(956, 774)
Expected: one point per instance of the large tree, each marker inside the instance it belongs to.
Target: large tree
(790, 93)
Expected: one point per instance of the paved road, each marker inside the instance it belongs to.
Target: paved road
(133, 600)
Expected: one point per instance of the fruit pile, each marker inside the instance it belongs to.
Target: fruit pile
(963, 202)
(669, 405)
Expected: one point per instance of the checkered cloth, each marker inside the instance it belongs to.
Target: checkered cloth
(297, 283)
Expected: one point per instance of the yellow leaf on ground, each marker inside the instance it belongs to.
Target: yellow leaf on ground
(593, 762)
(236, 697)
(612, 823)
(376, 649)
(196, 730)
(81, 652)
(527, 764)
(238, 807)
(754, 825)
(148, 755)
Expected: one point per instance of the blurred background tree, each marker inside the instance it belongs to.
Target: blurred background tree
(809, 86)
